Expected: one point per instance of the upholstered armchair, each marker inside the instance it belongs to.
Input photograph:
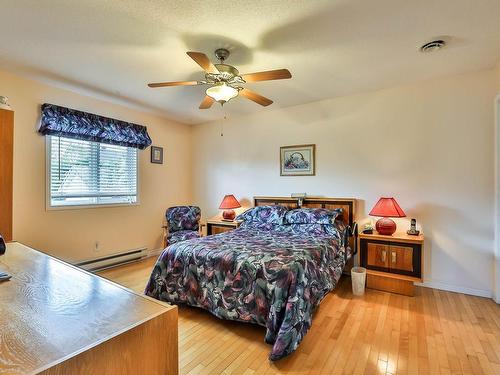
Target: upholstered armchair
(182, 223)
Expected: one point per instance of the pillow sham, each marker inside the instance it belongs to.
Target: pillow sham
(334, 230)
(273, 214)
(312, 216)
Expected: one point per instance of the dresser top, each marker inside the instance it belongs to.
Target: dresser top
(51, 311)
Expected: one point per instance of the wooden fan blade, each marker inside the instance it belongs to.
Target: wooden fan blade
(202, 60)
(207, 102)
(267, 76)
(259, 99)
(181, 83)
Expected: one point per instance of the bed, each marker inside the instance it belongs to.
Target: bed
(273, 270)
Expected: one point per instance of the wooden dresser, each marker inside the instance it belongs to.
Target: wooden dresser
(58, 319)
(393, 263)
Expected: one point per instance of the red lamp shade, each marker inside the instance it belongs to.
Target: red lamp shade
(386, 207)
(228, 203)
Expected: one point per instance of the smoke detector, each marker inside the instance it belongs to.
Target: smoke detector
(433, 46)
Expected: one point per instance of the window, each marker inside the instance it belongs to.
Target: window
(83, 173)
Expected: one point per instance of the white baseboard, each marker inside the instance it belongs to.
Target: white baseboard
(154, 252)
(457, 289)
(113, 259)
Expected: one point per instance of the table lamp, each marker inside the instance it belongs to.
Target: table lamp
(386, 207)
(228, 203)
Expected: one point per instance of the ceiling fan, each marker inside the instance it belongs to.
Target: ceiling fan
(225, 80)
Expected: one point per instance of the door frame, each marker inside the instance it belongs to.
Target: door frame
(496, 254)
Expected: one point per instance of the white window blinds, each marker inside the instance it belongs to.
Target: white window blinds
(90, 173)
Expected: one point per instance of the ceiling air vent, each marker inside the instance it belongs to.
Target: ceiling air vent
(433, 46)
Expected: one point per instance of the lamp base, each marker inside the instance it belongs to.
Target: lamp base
(385, 226)
(228, 215)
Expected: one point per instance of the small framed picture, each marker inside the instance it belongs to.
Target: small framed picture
(156, 155)
(298, 160)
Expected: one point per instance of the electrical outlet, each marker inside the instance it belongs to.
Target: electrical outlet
(96, 246)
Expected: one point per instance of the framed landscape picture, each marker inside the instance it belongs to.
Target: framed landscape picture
(298, 160)
(156, 155)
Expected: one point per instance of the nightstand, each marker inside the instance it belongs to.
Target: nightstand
(217, 225)
(393, 263)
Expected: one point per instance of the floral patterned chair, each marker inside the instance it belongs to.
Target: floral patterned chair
(182, 223)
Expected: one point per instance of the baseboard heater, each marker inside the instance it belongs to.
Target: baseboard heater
(113, 260)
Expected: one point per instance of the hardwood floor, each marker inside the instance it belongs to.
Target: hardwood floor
(435, 332)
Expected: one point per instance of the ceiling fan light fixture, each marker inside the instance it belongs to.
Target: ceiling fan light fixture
(222, 93)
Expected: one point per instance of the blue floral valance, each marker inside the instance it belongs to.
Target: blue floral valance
(66, 122)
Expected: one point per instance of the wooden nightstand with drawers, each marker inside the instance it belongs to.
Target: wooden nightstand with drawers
(217, 225)
(393, 263)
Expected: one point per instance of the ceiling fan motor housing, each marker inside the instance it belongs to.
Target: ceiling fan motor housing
(227, 73)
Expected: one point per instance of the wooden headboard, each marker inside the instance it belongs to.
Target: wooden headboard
(348, 205)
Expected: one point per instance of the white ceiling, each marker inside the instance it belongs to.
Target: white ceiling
(333, 48)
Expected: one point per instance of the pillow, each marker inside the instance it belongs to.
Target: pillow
(264, 214)
(312, 216)
(334, 230)
(310, 229)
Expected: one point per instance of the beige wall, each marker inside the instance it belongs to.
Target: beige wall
(430, 145)
(71, 234)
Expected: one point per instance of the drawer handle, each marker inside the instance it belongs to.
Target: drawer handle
(393, 254)
(383, 255)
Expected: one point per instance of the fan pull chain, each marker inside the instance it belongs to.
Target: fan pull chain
(222, 124)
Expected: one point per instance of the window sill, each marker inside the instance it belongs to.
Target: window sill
(89, 206)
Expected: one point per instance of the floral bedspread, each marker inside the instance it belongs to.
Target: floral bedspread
(273, 277)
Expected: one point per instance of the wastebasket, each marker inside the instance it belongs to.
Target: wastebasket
(358, 278)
